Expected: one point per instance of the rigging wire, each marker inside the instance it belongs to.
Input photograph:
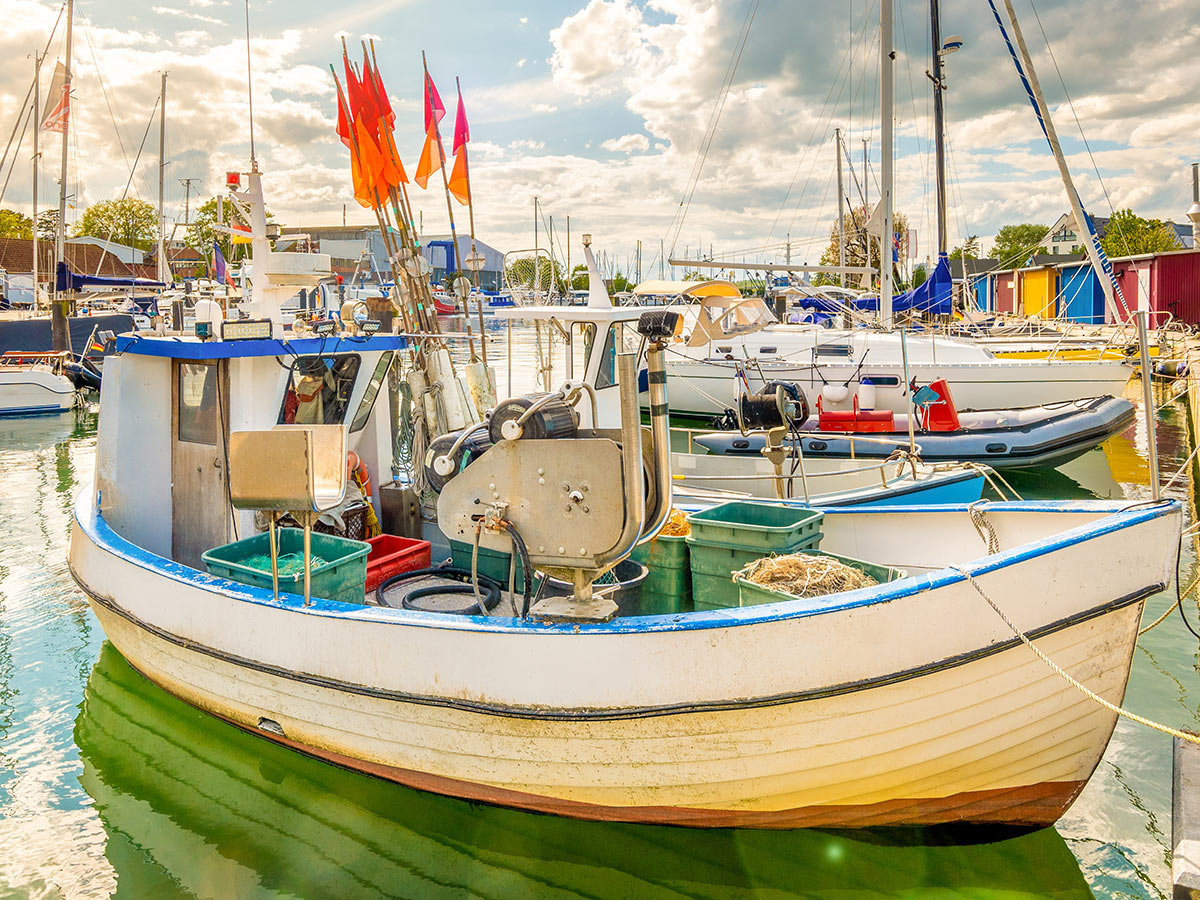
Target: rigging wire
(1079, 125)
(710, 133)
(29, 94)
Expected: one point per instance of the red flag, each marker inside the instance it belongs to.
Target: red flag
(462, 133)
(343, 119)
(361, 104)
(432, 158)
(433, 103)
(459, 183)
(374, 82)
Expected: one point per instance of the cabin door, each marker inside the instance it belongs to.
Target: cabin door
(200, 516)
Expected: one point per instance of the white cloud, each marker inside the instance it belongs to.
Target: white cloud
(525, 144)
(184, 14)
(628, 143)
(544, 108)
(524, 20)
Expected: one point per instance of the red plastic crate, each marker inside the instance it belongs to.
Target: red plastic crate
(390, 555)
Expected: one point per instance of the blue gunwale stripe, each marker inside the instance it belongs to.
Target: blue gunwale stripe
(1120, 516)
(193, 349)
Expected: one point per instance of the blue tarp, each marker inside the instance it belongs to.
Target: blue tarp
(70, 281)
(33, 335)
(935, 296)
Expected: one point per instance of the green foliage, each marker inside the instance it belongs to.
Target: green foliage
(968, 248)
(620, 284)
(131, 222)
(200, 233)
(1129, 234)
(15, 225)
(1016, 243)
(857, 252)
(695, 276)
(920, 275)
(579, 278)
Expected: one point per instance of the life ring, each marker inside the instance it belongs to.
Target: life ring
(356, 471)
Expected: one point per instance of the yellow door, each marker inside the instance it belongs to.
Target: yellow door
(1037, 292)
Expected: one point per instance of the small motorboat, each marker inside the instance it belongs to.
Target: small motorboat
(1047, 435)
(34, 384)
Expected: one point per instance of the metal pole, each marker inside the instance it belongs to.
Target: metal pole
(1148, 402)
(939, 120)
(162, 164)
(58, 312)
(841, 209)
(37, 127)
(912, 441)
(885, 163)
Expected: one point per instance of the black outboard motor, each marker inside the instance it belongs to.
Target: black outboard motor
(82, 373)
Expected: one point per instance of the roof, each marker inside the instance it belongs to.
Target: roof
(715, 288)
(973, 267)
(16, 256)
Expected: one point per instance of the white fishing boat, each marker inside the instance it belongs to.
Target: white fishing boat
(763, 716)
(33, 384)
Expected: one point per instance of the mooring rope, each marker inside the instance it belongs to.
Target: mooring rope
(1087, 692)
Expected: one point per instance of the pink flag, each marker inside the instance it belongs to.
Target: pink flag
(433, 103)
(462, 133)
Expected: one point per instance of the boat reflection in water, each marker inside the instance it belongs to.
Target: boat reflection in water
(197, 807)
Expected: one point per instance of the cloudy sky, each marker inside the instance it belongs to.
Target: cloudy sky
(602, 109)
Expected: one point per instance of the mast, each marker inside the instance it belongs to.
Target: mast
(58, 312)
(841, 211)
(162, 165)
(537, 270)
(886, 60)
(1033, 88)
(37, 127)
(937, 75)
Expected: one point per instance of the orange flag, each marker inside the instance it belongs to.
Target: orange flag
(460, 184)
(396, 175)
(432, 157)
(371, 165)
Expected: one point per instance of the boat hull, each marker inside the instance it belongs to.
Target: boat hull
(34, 392)
(707, 388)
(716, 720)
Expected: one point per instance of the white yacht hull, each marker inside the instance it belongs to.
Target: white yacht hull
(34, 391)
(913, 706)
(708, 387)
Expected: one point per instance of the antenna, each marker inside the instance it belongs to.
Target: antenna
(250, 91)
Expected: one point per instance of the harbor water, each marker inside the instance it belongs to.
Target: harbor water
(111, 787)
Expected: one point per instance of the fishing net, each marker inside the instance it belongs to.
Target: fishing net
(677, 525)
(804, 575)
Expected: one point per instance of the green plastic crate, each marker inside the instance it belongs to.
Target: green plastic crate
(342, 576)
(654, 603)
(751, 594)
(667, 559)
(493, 564)
(713, 565)
(769, 527)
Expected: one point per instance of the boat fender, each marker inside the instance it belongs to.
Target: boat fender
(866, 394)
(834, 393)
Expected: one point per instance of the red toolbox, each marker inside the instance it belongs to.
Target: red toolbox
(390, 555)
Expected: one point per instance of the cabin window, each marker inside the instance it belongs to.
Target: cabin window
(618, 339)
(834, 350)
(768, 350)
(372, 391)
(728, 348)
(198, 404)
(318, 390)
(883, 380)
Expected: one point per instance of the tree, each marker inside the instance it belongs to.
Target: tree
(15, 225)
(855, 225)
(200, 234)
(1016, 243)
(579, 278)
(620, 284)
(968, 248)
(920, 275)
(1128, 234)
(131, 222)
(47, 224)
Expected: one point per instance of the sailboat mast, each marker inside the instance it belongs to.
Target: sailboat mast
(886, 54)
(162, 165)
(939, 118)
(841, 210)
(58, 314)
(1100, 263)
(37, 127)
